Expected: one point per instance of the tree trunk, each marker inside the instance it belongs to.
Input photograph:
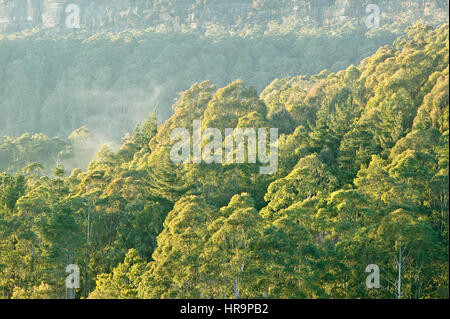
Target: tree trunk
(399, 266)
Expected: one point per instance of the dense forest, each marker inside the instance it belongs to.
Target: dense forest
(363, 153)
(108, 78)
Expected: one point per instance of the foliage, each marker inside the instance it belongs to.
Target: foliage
(363, 179)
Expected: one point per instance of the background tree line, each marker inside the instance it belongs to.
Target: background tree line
(117, 15)
(55, 82)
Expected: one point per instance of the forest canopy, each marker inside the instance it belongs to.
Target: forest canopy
(362, 177)
(133, 57)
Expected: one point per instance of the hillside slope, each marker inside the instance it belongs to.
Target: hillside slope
(362, 179)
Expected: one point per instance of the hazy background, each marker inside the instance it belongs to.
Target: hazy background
(129, 58)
